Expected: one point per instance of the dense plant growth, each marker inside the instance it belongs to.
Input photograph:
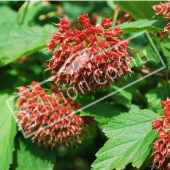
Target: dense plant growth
(84, 85)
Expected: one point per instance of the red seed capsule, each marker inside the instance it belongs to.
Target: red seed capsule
(161, 146)
(87, 55)
(42, 117)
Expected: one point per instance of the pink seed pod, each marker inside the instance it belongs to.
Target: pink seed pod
(90, 58)
(49, 119)
(161, 146)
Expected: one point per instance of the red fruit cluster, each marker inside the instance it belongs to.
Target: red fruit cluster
(49, 119)
(93, 54)
(125, 16)
(162, 145)
(163, 9)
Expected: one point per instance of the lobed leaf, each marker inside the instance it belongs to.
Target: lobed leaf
(141, 25)
(156, 95)
(130, 140)
(123, 97)
(30, 156)
(98, 110)
(17, 41)
(7, 133)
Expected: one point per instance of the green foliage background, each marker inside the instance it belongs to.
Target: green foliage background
(25, 27)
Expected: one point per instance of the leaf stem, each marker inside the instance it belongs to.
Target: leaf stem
(116, 13)
(167, 77)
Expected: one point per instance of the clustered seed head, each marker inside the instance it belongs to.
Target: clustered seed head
(162, 145)
(163, 9)
(125, 16)
(94, 55)
(38, 109)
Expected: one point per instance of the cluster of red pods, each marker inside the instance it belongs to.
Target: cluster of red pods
(93, 54)
(163, 9)
(162, 145)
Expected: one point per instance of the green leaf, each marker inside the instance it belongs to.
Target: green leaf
(134, 107)
(81, 7)
(126, 81)
(33, 8)
(17, 41)
(148, 55)
(102, 112)
(141, 25)
(7, 14)
(123, 97)
(38, 13)
(156, 95)
(166, 43)
(138, 9)
(7, 133)
(111, 4)
(30, 156)
(130, 140)
(154, 60)
(166, 55)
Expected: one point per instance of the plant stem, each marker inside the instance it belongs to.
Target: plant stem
(24, 6)
(167, 77)
(115, 17)
(147, 71)
(25, 11)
